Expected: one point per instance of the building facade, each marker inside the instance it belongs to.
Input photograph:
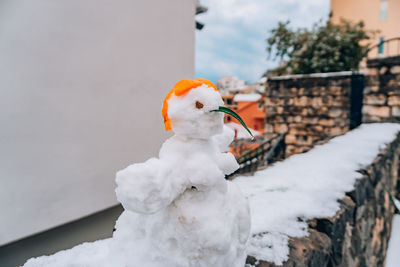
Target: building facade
(81, 89)
(251, 109)
(230, 84)
(381, 15)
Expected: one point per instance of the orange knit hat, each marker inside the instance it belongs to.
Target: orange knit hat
(181, 88)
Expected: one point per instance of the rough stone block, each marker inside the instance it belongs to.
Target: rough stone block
(317, 129)
(335, 112)
(302, 101)
(342, 122)
(326, 122)
(327, 100)
(310, 120)
(297, 131)
(395, 70)
(341, 101)
(297, 118)
(270, 110)
(396, 111)
(384, 70)
(321, 111)
(371, 89)
(375, 99)
(335, 131)
(290, 150)
(304, 140)
(290, 139)
(336, 90)
(394, 100)
(290, 101)
(316, 102)
(376, 111)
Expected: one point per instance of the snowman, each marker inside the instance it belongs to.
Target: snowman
(179, 209)
(181, 202)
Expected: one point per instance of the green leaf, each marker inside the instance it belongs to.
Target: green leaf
(235, 115)
(396, 202)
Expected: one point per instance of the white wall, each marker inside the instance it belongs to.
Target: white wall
(81, 86)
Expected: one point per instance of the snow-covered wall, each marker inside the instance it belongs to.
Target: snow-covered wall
(81, 83)
(329, 206)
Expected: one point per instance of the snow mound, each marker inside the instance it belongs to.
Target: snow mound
(246, 97)
(393, 256)
(307, 186)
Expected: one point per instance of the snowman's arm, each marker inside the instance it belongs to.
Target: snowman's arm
(147, 187)
(227, 163)
(224, 139)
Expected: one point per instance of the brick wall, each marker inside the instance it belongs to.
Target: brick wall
(382, 91)
(312, 108)
(358, 234)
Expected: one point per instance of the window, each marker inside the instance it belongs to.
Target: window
(381, 46)
(383, 10)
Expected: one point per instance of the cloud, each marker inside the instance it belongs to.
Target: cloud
(232, 43)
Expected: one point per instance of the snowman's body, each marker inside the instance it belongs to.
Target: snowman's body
(179, 209)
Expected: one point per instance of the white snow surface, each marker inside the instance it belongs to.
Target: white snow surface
(307, 186)
(246, 97)
(281, 199)
(393, 255)
(179, 209)
(241, 132)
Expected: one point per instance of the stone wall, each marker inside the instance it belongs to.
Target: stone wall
(312, 108)
(358, 234)
(382, 91)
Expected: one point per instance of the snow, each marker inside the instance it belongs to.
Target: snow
(246, 97)
(396, 203)
(305, 186)
(312, 75)
(179, 209)
(262, 80)
(169, 223)
(393, 256)
(241, 132)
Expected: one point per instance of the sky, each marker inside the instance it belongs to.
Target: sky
(233, 41)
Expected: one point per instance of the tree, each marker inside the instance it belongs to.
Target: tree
(326, 47)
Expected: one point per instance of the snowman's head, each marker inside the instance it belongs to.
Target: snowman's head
(189, 109)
